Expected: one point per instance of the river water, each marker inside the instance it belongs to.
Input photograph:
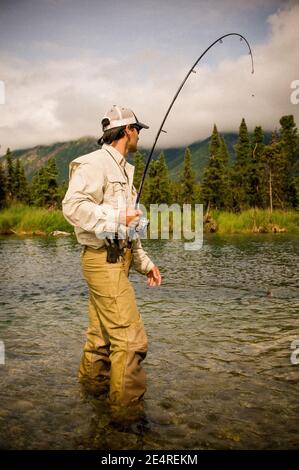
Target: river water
(220, 330)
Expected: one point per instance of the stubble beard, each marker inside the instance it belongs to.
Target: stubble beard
(133, 148)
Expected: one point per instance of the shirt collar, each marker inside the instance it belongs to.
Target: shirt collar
(116, 154)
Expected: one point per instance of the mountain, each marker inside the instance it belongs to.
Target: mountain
(64, 152)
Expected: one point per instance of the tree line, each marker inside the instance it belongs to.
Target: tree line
(42, 191)
(262, 175)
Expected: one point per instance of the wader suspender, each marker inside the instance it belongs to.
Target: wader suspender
(113, 244)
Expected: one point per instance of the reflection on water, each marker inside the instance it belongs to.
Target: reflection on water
(218, 367)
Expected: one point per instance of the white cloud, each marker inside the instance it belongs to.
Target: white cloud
(61, 100)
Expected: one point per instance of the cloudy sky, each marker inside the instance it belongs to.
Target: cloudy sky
(64, 62)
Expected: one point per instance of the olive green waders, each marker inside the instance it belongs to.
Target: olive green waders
(116, 340)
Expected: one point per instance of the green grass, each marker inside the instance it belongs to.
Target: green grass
(23, 220)
(29, 220)
(253, 219)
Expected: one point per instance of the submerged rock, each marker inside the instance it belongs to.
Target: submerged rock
(23, 405)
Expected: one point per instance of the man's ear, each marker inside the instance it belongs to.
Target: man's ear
(126, 131)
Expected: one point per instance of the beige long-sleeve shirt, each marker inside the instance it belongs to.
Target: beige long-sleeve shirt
(100, 186)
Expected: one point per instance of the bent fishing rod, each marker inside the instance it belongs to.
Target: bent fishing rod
(174, 99)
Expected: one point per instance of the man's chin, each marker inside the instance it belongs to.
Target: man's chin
(133, 149)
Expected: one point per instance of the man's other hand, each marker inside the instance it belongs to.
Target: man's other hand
(154, 277)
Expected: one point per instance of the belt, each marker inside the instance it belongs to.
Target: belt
(90, 248)
(102, 248)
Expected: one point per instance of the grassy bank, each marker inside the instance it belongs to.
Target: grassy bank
(257, 221)
(24, 220)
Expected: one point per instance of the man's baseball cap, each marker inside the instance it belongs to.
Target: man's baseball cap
(119, 116)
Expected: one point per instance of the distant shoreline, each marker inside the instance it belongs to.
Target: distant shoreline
(24, 220)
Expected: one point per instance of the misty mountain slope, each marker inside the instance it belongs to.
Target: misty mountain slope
(64, 152)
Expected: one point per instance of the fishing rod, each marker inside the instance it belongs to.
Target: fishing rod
(175, 97)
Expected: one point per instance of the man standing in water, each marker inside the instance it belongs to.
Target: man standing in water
(99, 203)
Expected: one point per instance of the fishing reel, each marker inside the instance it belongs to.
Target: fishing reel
(140, 229)
(142, 226)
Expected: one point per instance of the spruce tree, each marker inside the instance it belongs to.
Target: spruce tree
(225, 156)
(215, 183)
(38, 188)
(176, 191)
(10, 173)
(138, 161)
(241, 170)
(197, 194)
(16, 182)
(152, 182)
(44, 188)
(187, 180)
(275, 165)
(257, 177)
(52, 174)
(159, 182)
(226, 202)
(23, 195)
(62, 189)
(3, 186)
(289, 139)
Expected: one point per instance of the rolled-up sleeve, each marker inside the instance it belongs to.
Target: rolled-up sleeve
(141, 262)
(83, 205)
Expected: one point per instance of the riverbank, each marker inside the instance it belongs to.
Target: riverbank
(257, 221)
(25, 220)
(28, 220)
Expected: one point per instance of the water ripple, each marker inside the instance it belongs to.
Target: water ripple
(220, 329)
